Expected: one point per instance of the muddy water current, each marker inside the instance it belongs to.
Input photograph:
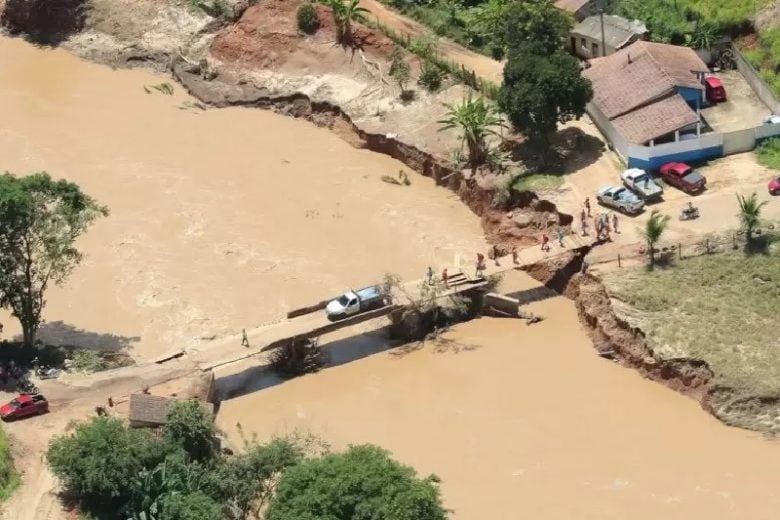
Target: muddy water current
(527, 422)
(224, 219)
(220, 219)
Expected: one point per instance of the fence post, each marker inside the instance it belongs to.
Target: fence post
(619, 260)
(734, 237)
(679, 250)
(707, 245)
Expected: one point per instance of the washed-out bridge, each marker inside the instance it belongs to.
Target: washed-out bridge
(312, 322)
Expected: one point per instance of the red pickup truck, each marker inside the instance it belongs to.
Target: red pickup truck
(24, 406)
(683, 176)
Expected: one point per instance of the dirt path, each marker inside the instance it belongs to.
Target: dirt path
(480, 64)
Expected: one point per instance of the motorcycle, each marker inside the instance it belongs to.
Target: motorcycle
(689, 213)
(47, 373)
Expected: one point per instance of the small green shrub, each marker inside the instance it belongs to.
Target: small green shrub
(87, 361)
(307, 18)
(769, 153)
(424, 46)
(537, 182)
(431, 77)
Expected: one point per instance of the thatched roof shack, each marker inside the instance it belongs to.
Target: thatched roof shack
(151, 411)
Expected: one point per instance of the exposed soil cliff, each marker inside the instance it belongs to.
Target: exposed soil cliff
(617, 334)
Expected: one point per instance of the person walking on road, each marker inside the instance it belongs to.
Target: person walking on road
(587, 204)
(430, 275)
(495, 254)
(584, 225)
(445, 278)
(514, 255)
(615, 223)
(560, 236)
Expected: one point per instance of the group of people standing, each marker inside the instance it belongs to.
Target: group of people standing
(603, 223)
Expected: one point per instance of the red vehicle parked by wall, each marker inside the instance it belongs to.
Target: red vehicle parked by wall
(774, 186)
(714, 89)
(682, 176)
(24, 406)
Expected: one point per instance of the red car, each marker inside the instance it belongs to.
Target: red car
(683, 176)
(24, 406)
(774, 186)
(714, 90)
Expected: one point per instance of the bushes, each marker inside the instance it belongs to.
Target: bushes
(769, 153)
(307, 18)
(363, 482)
(430, 77)
(9, 478)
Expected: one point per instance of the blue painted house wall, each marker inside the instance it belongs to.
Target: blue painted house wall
(691, 95)
(692, 156)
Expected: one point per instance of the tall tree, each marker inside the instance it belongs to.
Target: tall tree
(542, 90)
(477, 119)
(749, 213)
(40, 220)
(536, 22)
(364, 482)
(652, 232)
(345, 12)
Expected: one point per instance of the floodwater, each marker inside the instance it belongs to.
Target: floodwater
(527, 422)
(220, 219)
(223, 219)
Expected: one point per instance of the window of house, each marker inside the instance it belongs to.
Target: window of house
(595, 49)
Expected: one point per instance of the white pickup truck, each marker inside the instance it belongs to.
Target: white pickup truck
(355, 302)
(642, 183)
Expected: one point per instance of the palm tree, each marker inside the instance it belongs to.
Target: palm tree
(344, 13)
(654, 228)
(476, 118)
(749, 213)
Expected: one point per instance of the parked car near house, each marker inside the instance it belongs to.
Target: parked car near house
(621, 199)
(682, 176)
(774, 186)
(24, 405)
(642, 183)
(714, 90)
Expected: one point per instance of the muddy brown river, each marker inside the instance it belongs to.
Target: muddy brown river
(223, 219)
(220, 219)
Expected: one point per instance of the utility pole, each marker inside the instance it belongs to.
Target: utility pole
(603, 39)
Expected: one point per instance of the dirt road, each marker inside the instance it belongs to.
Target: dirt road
(483, 66)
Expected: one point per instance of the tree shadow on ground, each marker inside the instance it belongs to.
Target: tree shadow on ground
(570, 150)
(42, 22)
(61, 334)
(761, 243)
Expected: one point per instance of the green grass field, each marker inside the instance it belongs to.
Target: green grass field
(537, 182)
(720, 308)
